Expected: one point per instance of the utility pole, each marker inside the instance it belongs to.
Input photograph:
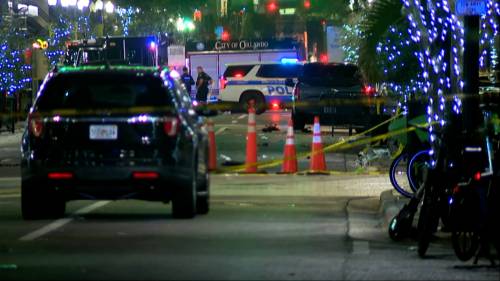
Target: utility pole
(471, 73)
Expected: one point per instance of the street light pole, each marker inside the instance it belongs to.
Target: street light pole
(471, 73)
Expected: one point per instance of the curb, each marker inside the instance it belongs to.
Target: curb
(390, 205)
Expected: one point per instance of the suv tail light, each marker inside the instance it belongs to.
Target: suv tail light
(60, 176)
(369, 90)
(222, 82)
(35, 125)
(171, 126)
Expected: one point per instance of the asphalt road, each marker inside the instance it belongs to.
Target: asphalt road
(260, 227)
(231, 132)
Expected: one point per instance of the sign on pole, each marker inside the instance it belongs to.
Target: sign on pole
(176, 56)
(471, 7)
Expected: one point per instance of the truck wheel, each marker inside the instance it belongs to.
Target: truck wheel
(184, 198)
(258, 98)
(41, 204)
(299, 121)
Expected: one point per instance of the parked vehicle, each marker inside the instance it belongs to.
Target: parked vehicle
(113, 132)
(338, 94)
(265, 83)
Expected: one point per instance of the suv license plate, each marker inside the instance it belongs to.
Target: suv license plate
(329, 110)
(103, 132)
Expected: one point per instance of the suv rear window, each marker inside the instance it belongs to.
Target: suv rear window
(237, 70)
(102, 91)
(331, 75)
(279, 71)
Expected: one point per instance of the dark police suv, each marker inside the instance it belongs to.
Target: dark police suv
(337, 93)
(113, 132)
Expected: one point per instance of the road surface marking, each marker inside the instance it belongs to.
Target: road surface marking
(10, 179)
(360, 248)
(219, 131)
(10, 195)
(242, 116)
(61, 222)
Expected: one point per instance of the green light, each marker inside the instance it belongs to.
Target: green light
(66, 69)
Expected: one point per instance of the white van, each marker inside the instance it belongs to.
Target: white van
(269, 84)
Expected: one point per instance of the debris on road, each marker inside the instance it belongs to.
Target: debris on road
(270, 128)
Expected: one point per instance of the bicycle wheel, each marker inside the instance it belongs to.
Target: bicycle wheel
(427, 221)
(416, 168)
(465, 244)
(398, 175)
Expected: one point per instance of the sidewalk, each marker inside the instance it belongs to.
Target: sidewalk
(10, 146)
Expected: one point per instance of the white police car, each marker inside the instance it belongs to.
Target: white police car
(269, 84)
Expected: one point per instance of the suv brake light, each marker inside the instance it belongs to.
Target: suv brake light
(171, 126)
(35, 125)
(369, 90)
(222, 82)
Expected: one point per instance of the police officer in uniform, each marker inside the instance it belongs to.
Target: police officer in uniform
(187, 79)
(202, 83)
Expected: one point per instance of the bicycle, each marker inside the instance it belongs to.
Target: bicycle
(407, 166)
(474, 205)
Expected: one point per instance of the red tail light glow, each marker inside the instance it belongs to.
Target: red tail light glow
(275, 105)
(369, 90)
(238, 75)
(60, 176)
(145, 175)
(477, 176)
(222, 82)
(171, 126)
(35, 125)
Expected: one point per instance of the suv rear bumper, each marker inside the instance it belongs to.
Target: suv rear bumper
(110, 183)
(362, 114)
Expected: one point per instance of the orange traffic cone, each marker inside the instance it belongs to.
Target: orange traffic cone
(290, 155)
(318, 163)
(251, 160)
(212, 148)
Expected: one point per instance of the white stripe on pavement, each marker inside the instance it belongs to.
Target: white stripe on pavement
(10, 179)
(242, 116)
(219, 131)
(10, 195)
(61, 222)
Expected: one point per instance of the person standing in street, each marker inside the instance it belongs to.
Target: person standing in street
(187, 80)
(202, 83)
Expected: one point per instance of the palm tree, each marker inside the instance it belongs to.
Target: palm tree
(380, 17)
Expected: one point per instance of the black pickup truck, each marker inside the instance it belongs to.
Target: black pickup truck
(338, 94)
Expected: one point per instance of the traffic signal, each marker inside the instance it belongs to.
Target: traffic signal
(272, 6)
(307, 4)
(323, 58)
(226, 36)
(197, 15)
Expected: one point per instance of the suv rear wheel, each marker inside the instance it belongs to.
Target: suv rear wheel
(184, 198)
(38, 203)
(258, 98)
